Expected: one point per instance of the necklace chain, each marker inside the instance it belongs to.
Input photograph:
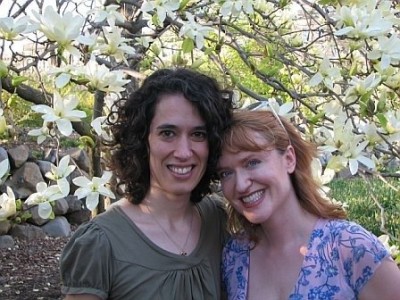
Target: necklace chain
(181, 249)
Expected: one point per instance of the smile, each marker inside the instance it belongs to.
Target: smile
(253, 197)
(180, 170)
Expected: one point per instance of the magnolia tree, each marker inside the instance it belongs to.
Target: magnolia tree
(329, 66)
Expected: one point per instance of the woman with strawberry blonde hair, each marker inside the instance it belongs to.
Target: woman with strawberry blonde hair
(288, 241)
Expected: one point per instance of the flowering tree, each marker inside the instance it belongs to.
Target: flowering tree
(330, 66)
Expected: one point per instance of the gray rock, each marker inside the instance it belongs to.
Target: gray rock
(74, 204)
(4, 227)
(44, 166)
(57, 227)
(27, 232)
(51, 155)
(3, 154)
(18, 155)
(23, 181)
(36, 219)
(81, 158)
(6, 241)
(79, 217)
(60, 207)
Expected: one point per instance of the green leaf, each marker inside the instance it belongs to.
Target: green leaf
(316, 118)
(187, 45)
(156, 50)
(3, 69)
(183, 5)
(87, 141)
(197, 63)
(382, 119)
(381, 107)
(328, 2)
(17, 80)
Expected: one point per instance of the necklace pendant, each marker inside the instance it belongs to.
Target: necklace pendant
(183, 253)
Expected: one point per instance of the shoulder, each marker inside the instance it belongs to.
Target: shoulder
(89, 235)
(350, 238)
(212, 204)
(237, 245)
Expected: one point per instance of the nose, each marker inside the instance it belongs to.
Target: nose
(243, 182)
(183, 148)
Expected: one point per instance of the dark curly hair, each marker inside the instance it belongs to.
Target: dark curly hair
(130, 121)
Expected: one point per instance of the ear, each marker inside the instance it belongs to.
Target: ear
(290, 159)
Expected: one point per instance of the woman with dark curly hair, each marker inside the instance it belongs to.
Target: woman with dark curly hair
(163, 239)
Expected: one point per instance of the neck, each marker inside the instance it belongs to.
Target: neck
(282, 231)
(167, 206)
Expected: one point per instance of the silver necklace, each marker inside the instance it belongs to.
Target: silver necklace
(182, 250)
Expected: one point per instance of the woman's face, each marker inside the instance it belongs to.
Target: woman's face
(257, 184)
(178, 146)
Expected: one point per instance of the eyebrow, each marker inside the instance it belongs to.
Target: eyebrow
(171, 126)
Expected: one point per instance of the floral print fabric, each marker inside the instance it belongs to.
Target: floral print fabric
(341, 257)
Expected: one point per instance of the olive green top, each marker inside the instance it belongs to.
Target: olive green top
(110, 257)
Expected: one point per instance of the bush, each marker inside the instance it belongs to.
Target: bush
(359, 195)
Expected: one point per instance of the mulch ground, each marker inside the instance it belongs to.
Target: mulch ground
(30, 270)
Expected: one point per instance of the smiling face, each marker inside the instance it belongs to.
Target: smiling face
(257, 183)
(178, 146)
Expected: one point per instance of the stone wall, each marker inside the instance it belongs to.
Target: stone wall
(25, 172)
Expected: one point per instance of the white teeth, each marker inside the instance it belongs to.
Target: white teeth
(180, 171)
(253, 197)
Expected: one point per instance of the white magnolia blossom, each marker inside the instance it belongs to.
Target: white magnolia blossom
(234, 7)
(359, 87)
(326, 74)
(388, 51)
(62, 170)
(92, 189)
(63, 30)
(45, 195)
(350, 148)
(162, 8)
(109, 12)
(144, 41)
(322, 177)
(99, 127)
(371, 134)
(8, 206)
(62, 114)
(4, 169)
(192, 29)
(42, 133)
(283, 110)
(362, 22)
(11, 29)
(102, 79)
(392, 127)
(114, 44)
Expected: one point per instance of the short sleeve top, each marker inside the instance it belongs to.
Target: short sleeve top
(341, 258)
(110, 257)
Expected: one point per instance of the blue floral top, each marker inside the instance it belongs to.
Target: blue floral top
(341, 257)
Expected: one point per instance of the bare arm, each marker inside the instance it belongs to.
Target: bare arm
(384, 285)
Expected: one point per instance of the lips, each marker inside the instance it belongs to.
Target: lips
(253, 197)
(180, 170)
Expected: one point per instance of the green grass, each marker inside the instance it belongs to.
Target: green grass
(358, 195)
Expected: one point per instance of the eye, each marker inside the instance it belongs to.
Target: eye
(252, 163)
(199, 136)
(166, 133)
(224, 174)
